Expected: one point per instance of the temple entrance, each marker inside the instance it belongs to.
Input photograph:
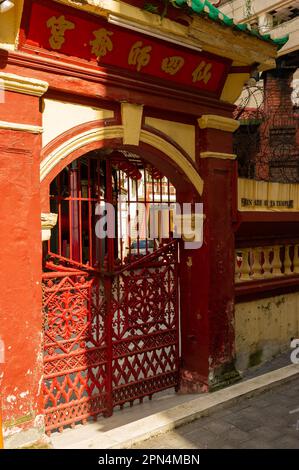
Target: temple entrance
(110, 288)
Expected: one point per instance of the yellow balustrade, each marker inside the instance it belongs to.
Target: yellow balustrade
(266, 262)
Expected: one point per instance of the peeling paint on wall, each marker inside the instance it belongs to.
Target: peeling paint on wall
(11, 398)
(11, 431)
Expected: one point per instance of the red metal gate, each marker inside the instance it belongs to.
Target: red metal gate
(110, 334)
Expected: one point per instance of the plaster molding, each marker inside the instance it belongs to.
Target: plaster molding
(114, 132)
(221, 156)
(76, 142)
(48, 221)
(24, 85)
(124, 10)
(181, 133)
(15, 126)
(246, 49)
(212, 121)
(233, 86)
(131, 115)
(175, 155)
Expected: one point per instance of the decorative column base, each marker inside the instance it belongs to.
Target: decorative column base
(192, 382)
(31, 438)
(221, 377)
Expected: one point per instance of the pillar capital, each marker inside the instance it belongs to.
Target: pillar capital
(15, 126)
(222, 156)
(212, 121)
(48, 221)
(24, 85)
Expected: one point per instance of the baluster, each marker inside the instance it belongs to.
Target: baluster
(287, 261)
(238, 264)
(267, 265)
(257, 263)
(276, 263)
(245, 266)
(296, 259)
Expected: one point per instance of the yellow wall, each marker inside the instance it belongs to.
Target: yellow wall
(59, 116)
(264, 328)
(182, 134)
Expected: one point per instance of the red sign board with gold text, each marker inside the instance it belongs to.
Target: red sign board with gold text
(66, 31)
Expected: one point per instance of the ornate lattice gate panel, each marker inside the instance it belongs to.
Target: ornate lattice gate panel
(145, 356)
(110, 304)
(75, 349)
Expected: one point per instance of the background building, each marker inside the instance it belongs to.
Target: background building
(268, 138)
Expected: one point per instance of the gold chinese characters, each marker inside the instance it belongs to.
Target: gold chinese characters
(102, 42)
(139, 55)
(58, 28)
(172, 65)
(202, 73)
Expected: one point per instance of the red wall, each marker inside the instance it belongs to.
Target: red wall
(20, 273)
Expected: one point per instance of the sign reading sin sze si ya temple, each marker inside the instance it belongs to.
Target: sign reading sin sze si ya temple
(68, 32)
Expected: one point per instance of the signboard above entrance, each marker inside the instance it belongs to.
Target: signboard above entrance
(69, 34)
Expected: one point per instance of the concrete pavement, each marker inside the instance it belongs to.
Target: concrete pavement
(133, 426)
(266, 421)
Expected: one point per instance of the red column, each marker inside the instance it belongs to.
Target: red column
(207, 274)
(20, 274)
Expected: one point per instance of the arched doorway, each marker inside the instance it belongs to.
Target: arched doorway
(111, 303)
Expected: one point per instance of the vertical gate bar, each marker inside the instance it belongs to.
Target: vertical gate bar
(177, 311)
(108, 294)
(153, 203)
(98, 241)
(146, 211)
(108, 333)
(110, 217)
(137, 218)
(169, 212)
(74, 228)
(79, 193)
(70, 217)
(129, 215)
(59, 212)
(161, 212)
(90, 231)
(120, 215)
